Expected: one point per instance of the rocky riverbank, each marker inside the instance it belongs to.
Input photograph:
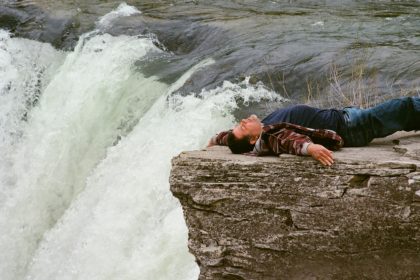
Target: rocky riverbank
(291, 218)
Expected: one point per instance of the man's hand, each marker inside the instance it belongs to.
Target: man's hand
(321, 154)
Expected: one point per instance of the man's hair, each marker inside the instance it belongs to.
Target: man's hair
(239, 146)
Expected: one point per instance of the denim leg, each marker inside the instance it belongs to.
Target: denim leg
(363, 125)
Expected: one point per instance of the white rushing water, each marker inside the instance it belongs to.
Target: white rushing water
(86, 142)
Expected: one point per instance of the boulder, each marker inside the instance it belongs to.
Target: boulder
(28, 20)
(289, 217)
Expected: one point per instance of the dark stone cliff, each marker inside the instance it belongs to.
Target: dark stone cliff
(291, 218)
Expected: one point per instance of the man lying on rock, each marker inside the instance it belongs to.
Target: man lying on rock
(304, 130)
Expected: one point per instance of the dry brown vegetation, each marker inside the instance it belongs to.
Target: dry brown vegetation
(361, 89)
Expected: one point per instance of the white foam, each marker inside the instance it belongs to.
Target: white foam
(26, 68)
(123, 10)
(318, 23)
(92, 100)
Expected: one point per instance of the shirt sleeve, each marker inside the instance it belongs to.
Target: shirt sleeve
(288, 141)
(220, 138)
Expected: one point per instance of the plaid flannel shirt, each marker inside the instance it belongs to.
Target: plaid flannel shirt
(288, 138)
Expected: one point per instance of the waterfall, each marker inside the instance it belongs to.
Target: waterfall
(86, 141)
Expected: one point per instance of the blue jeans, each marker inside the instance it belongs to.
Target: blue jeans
(363, 125)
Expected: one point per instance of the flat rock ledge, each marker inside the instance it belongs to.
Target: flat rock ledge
(288, 217)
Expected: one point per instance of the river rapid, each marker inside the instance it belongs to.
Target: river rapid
(97, 97)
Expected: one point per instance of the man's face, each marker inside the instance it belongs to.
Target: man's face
(250, 126)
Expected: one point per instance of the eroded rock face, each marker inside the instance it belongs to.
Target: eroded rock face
(291, 218)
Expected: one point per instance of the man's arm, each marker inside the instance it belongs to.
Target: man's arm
(219, 139)
(288, 141)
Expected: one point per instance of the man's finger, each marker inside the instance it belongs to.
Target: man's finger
(326, 160)
(328, 153)
(323, 161)
(328, 156)
(329, 159)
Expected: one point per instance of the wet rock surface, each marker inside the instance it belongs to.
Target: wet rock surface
(291, 218)
(60, 29)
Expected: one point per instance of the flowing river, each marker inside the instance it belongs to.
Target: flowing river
(97, 97)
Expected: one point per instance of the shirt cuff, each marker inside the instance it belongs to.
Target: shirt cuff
(213, 140)
(304, 150)
(257, 146)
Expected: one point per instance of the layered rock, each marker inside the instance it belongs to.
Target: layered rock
(288, 217)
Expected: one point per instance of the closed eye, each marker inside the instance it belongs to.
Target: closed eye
(242, 126)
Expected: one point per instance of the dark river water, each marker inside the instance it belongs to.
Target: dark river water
(328, 52)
